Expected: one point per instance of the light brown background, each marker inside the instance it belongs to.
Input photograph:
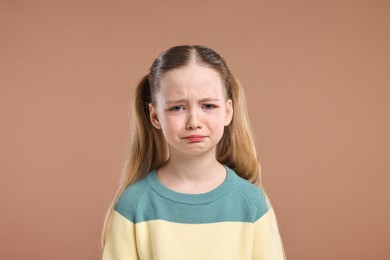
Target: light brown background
(316, 74)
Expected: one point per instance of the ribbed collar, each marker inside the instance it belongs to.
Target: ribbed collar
(201, 198)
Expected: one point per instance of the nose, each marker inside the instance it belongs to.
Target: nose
(193, 121)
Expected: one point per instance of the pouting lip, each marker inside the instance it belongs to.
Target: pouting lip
(194, 136)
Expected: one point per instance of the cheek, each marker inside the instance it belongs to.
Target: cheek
(171, 124)
(217, 124)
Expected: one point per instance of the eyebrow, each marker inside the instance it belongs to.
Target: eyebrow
(185, 100)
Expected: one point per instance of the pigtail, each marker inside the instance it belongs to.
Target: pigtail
(147, 148)
(236, 148)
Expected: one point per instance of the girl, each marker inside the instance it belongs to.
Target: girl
(191, 188)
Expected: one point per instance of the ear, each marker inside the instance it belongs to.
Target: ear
(228, 112)
(153, 116)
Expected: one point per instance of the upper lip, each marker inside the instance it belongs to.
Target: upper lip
(193, 136)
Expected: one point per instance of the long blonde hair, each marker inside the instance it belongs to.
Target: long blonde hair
(148, 149)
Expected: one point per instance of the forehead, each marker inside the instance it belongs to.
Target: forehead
(192, 80)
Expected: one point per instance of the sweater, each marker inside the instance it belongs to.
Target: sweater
(233, 221)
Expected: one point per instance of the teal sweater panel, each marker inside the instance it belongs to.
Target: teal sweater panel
(235, 200)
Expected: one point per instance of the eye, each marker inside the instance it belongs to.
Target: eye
(176, 108)
(209, 106)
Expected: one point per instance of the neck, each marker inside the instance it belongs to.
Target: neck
(191, 174)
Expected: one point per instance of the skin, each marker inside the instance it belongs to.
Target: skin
(191, 101)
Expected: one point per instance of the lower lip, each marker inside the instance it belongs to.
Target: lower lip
(194, 139)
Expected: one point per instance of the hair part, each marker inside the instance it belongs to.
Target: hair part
(148, 149)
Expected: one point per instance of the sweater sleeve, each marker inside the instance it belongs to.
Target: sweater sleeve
(120, 242)
(267, 242)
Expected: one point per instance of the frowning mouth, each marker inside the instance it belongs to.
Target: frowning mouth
(194, 138)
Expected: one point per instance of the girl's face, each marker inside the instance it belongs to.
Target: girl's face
(191, 110)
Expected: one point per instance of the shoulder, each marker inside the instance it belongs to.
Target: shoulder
(255, 196)
(130, 197)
